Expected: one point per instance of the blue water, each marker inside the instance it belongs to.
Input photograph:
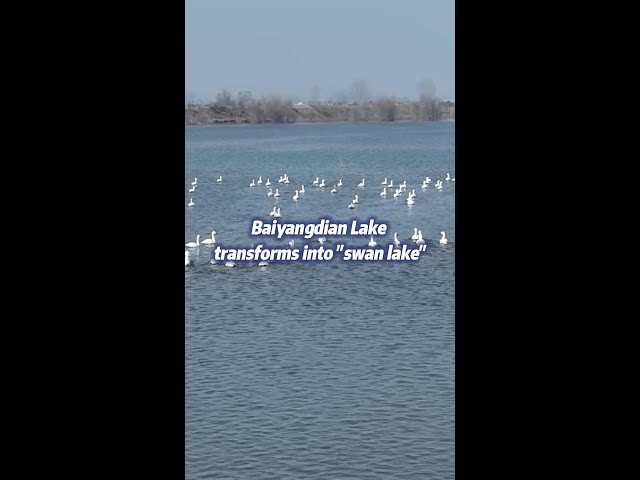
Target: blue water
(327, 370)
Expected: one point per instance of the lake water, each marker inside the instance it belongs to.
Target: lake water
(320, 370)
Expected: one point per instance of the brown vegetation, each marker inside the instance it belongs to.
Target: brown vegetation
(246, 109)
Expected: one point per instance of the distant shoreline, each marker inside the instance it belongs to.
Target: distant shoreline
(278, 111)
(242, 124)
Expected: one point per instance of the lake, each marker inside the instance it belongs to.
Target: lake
(329, 370)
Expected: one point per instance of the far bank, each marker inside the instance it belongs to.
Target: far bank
(279, 111)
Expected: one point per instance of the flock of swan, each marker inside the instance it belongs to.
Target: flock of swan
(386, 184)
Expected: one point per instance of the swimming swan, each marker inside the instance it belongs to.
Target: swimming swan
(191, 204)
(219, 179)
(420, 240)
(396, 242)
(194, 244)
(361, 184)
(443, 240)
(186, 258)
(210, 241)
(415, 235)
(372, 243)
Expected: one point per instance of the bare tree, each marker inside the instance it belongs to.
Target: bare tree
(387, 109)
(224, 98)
(256, 111)
(245, 97)
(279, 110)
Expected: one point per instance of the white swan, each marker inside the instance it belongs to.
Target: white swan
(340, 182)
(443, 240)
(191, 204)
(403, 185)
(316, 181)
(355, 200)
(295, 197)
(253, 183)
(361, 184)
(302, 189)
(268, 183)
(210, 241)
(439, 187)
(372, 243)
(321, 240)
(398, 193)
(396, 242)
(415, 235)
(385, 181)
(383, 193)
(195, 182)
(277, 194)
(194, 244)
(270, 193)
(230, 264)
(390, 184)
(352, 205)
(186, 258)
(322, 184)
(219, 179)
(280, 180)
(263, 263)
(273, 212)
(413, 193)
(448, 177)
(259, 182)
(277, 214)
(291, 243)
(192, 189)
(334, 189)
(286, 179)
(420, 240)
(410, 201)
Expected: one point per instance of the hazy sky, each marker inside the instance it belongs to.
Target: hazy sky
(288, 46)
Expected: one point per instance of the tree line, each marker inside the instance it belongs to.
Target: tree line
(358, 105)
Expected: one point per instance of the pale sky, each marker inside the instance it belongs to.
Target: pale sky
(286, 47)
